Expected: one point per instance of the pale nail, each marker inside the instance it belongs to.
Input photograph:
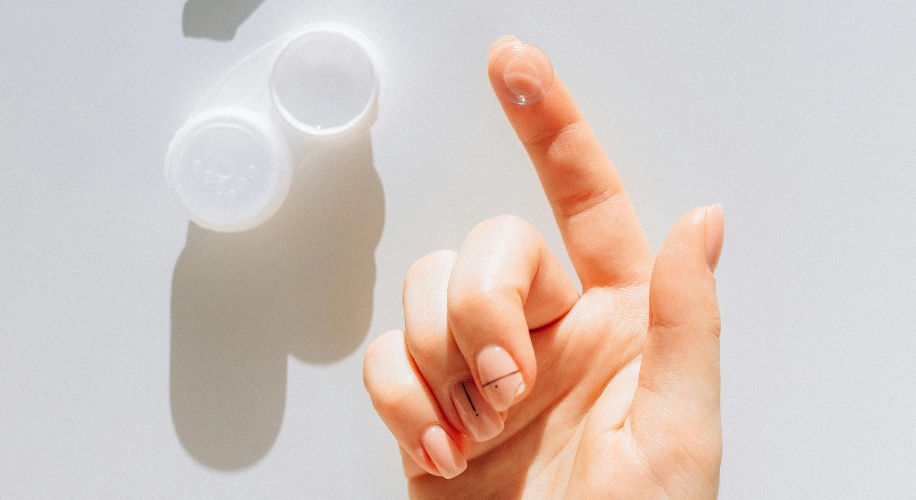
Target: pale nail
(499, 376)
(479, 418)
(444, 453)
(715, 229)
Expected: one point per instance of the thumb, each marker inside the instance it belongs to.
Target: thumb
(675, 413)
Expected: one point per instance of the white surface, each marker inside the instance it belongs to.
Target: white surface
(797, 116)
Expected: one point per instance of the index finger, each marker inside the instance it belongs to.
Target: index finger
(602, 233)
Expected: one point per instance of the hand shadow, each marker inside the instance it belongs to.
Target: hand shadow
(301, 283)
(215, 19)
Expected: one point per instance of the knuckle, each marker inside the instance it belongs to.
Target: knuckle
(548, 136)
(504, 224)
(371, 357)
(379, 358)
(482, 300)
(568, 144)
(426, 347)
(428, 264)
(396, 388)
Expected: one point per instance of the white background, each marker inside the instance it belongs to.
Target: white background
(143, 358)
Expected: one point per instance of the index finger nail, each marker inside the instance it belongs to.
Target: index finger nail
(502, 41)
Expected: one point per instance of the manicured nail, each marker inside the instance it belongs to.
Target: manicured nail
(715, 232)
(499, 376)
(503, 40)
(479, 418)
(443, 452)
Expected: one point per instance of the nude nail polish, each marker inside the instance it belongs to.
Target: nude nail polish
(480, 420)
(444, 453)
(500, 377)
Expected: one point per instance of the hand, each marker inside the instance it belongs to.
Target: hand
(511, 384)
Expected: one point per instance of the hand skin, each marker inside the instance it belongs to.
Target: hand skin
(617, 390)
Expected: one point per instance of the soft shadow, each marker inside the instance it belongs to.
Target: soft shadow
(302, 284)
(216, 19)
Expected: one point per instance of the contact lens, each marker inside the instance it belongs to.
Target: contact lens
(522, 74)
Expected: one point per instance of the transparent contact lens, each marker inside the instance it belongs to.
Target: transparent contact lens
(523, 74)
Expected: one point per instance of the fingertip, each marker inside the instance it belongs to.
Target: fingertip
(405, 404)
(715, 235)
(685, 259)
(443, 451)
(379, 350)
(520, 73)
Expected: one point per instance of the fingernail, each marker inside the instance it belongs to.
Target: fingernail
(478, 416)
(499, 376)
(446, 456)
(503, 40)
(715, 232)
